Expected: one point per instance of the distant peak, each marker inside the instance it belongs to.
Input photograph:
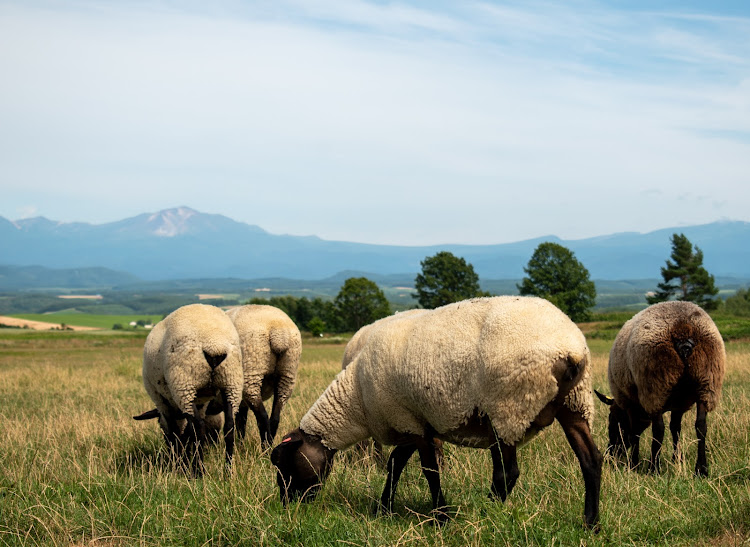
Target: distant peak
(171, 222)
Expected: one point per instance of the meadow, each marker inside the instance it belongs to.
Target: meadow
(75, 469)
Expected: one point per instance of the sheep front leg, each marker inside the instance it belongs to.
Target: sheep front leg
(431, 471)
(229, 432)
(657, 430)
(396, 463)
(675, 427)
(701, 428)
(579, 437)
(504, 469)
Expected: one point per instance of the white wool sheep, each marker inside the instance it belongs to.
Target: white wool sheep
(271, 348)
(668, 357)
(190, 359)
(486, 373)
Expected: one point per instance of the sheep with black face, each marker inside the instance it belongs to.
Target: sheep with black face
(485, 373)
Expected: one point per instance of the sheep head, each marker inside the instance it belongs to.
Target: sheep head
(302, 463)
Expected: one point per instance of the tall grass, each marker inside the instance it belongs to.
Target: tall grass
(76, 469)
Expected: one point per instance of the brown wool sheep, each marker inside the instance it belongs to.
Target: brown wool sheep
(668, 357)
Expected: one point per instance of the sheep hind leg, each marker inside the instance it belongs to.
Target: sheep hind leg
(396, 463)
(240, 421)
(637, 426)
(504, 469)
(229, 430)
(273, 423)
(701, 464)
(264, 427)
(195, 434)
(431, 470)
(657, 430)
(577, 431)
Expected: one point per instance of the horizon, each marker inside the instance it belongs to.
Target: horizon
(394, 123)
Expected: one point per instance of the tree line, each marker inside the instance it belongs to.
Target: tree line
(553, 273)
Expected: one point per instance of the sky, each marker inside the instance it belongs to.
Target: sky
(404, 122)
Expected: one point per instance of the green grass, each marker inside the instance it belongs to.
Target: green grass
(76, 469)
(87, 319)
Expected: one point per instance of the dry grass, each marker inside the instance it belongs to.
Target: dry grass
(75, 469)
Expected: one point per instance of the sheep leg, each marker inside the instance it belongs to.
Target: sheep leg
(579, 437)
(229, 432)
(431, 470)
(273, 424)
(657, 430)
(675, 427)
(396, 463)
(261, 418)
(195, 433)
(637, 426)
(701, 428)
(240, 421)
(504, 469)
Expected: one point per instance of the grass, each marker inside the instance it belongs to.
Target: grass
(88, 319)
(75, 469)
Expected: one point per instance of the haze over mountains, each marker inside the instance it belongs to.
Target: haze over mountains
(182, 243)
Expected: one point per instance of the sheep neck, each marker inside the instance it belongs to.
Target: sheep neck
(337, 417)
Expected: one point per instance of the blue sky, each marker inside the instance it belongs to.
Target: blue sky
(382, 122)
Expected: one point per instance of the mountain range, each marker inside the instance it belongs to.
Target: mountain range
(182, 243)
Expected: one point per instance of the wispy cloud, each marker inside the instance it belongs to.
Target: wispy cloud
(324, 109)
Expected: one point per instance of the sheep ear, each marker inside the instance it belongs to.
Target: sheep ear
(288, 446)
(603, 398)
(148, 415)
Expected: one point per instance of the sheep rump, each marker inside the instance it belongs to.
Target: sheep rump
(271, 348)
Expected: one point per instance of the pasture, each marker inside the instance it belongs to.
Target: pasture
(76, 469)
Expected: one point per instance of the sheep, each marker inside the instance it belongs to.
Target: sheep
(668, 357)
(271, 348)
(192, 359)
(486, 373)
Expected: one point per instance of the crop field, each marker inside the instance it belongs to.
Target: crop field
(75, 469)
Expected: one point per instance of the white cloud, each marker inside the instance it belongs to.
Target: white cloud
(511, 120)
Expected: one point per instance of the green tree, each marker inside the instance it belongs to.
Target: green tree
(556, 275)
(738, 304)
(685, 278)
(316, 326)
(446, 278)
(359, 303)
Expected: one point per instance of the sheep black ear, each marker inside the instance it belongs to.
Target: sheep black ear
(289, 444)
(609, 401)
(148, 415)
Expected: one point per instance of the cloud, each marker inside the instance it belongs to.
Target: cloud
(503, 116)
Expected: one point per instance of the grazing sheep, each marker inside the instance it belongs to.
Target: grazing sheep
(271, 348)
(486, 373)
(192, 359)
(668, 357)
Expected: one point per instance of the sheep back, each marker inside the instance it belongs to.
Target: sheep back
(644, 363)
(492, 356)
(175, 370)
(271, 346)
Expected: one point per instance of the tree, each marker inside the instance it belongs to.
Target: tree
(685, 278)
(556, 275)
(446, 278)
(359, 303)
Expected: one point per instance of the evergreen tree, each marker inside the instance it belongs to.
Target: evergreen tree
(556, 275)
(685, 278)
(445, 279)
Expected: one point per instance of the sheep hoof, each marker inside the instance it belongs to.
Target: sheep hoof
(701, 471)
(440, 516)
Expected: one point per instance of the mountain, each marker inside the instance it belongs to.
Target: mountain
(182, 243)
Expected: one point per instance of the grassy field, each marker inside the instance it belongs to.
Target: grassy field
(75, 469)
(88, 319)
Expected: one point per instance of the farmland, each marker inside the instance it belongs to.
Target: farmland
(76, 469)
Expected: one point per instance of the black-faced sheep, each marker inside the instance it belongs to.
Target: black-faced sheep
(192, 359)
(668, 357)
(271, 348)
(486, 373)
